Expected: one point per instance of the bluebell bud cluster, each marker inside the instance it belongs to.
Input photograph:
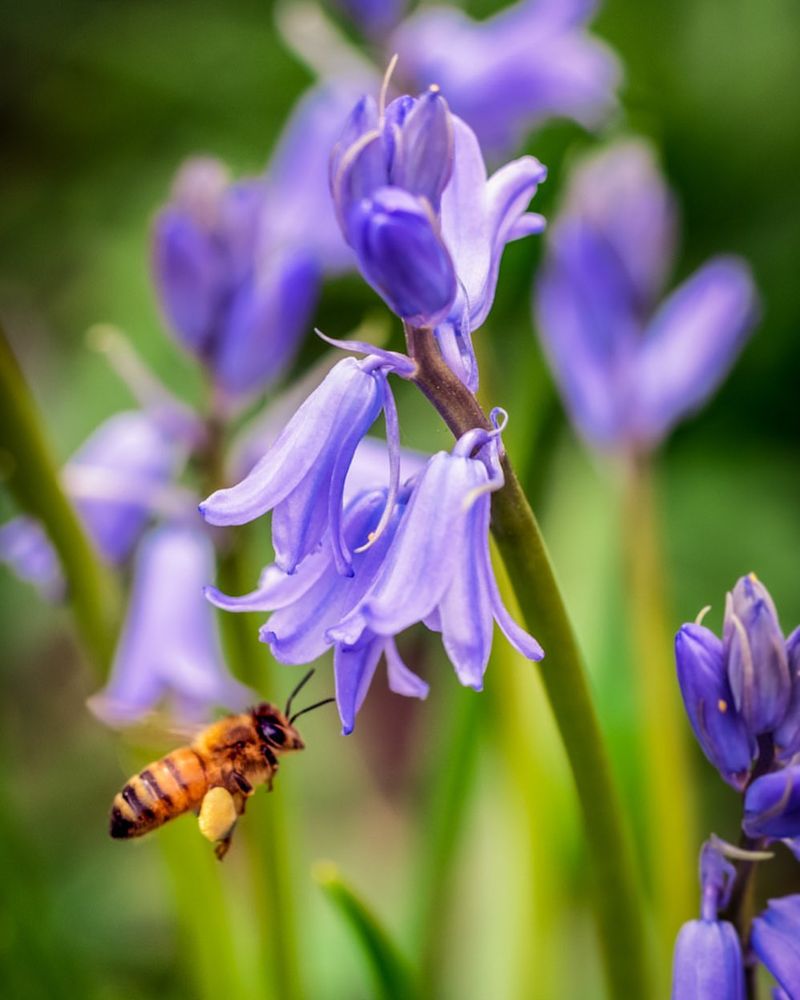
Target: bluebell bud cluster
(742, 697)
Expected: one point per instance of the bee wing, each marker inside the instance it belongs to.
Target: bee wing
(158, 731)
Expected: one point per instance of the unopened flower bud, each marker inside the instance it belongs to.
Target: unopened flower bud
(708, 962)
(756, 656)
(707, 695)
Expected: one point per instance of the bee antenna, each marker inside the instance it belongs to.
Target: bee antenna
(317, 704)
(297, 688)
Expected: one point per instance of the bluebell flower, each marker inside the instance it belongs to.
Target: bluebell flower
(115, 479)
(307, 603)
(301, 478)
(772, 805)
(438, 569)
(235, 293)
(169, 652)
(720, 729)
(428, 227)
(707, 963)
(507, 75)
(775, 939)
(757, 665)
(628, 368)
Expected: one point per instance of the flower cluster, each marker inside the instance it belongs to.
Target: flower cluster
(411, 196)
(628, 368)
(742, 696)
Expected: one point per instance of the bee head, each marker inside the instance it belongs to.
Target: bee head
(276, 730)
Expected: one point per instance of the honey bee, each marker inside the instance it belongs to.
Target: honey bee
(215, 775)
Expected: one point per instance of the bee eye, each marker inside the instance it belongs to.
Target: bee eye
(271, 730)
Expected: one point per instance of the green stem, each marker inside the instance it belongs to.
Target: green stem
(34, 481)
(671, 839)
(392, 973)
(445, 821)
(618, 906)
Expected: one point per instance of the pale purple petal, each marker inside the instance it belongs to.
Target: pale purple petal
(26, 549)
(401, 679)
(354, 667)
(348, 397)
(775, 938)
(692, 343)
(465, 608)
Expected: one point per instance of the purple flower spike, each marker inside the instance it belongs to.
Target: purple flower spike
(772, 805)
(707, 696)
(629, 370)
(301, 478)
(756, 653)
(775, 938)
(707, 964)
(169, 650)
(438, 569)
(787, 735)
(506, 75)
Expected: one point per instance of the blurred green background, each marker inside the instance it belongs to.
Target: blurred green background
(100, 103)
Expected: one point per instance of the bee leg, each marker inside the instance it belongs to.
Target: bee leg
(272, 760)
(221, 847)
(242, 784)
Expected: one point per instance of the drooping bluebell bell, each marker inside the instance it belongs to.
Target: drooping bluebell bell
(506, 75)
(707, 963)
(115, 480)
(718, 726)
(428, 227)
(755, 651)
(307, 603)
(629, 369)
(169, 651)
(438, 569)
(775, 939)
(301, 477)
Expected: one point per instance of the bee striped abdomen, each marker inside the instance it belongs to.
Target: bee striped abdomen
(164, 789)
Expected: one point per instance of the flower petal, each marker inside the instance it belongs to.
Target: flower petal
(353, 668)
(691, 344)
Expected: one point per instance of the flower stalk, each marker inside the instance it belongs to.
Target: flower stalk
(618, 904)
(33, 479)
(670, 821)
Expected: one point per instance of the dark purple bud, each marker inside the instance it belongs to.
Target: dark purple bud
(707, 696)
(775, 938)
(787, 735)
(756, 656)
(708, 962)
(403, 256)
(772, 805)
